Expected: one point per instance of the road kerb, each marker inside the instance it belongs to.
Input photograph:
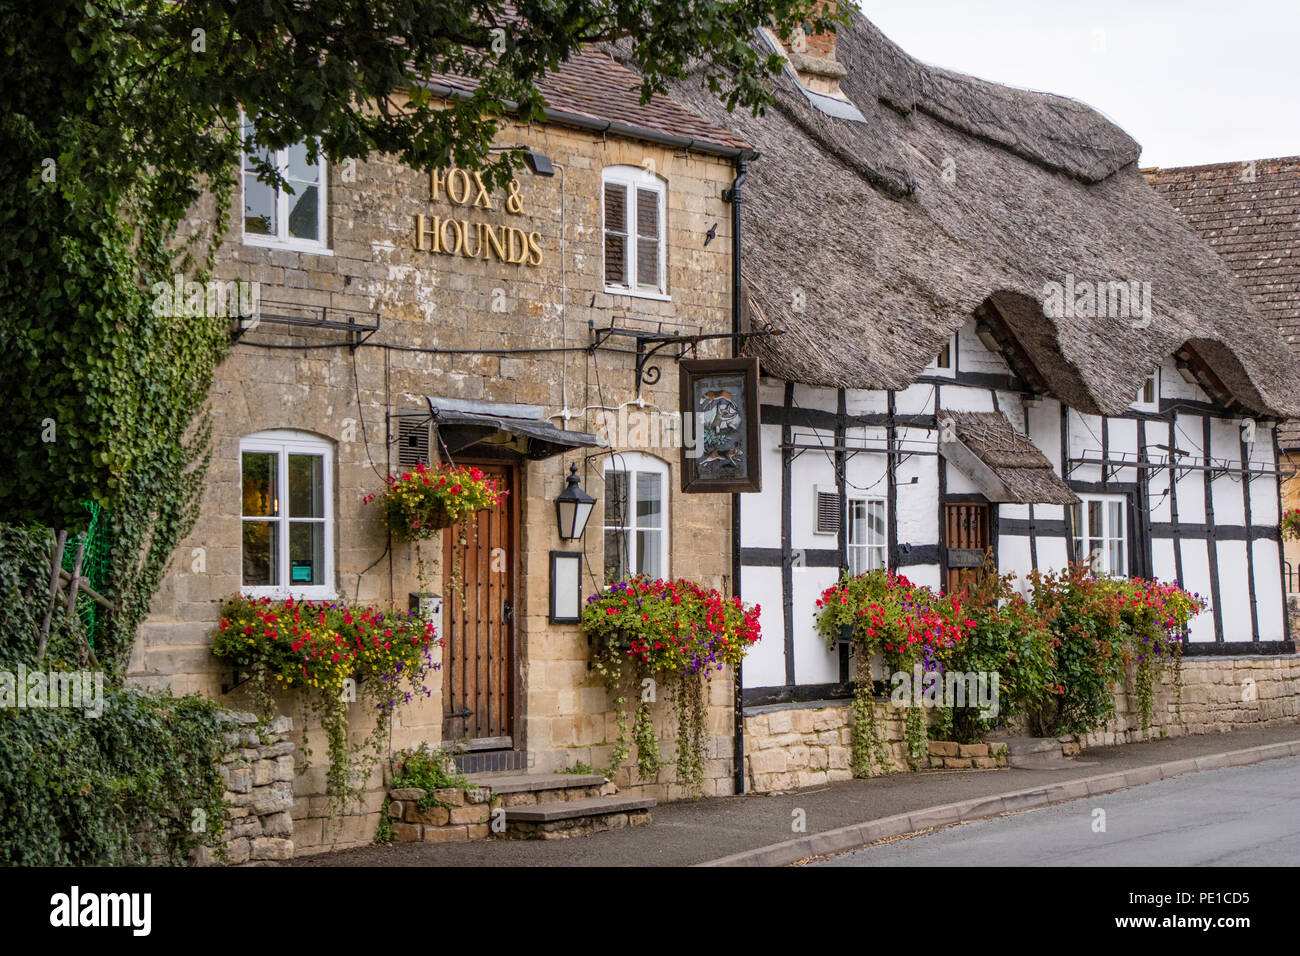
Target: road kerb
(860, 834)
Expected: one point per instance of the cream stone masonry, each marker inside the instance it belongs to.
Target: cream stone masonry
(1220, 694)
(310, 383)
(791, 746)
(258, 771)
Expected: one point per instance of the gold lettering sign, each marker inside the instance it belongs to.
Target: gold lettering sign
(475, 240)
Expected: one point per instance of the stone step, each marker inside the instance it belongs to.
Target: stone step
(571, 818)
(534, 782)
(1034, 753)
(1024, 746)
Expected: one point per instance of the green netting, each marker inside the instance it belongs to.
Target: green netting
(94, 565)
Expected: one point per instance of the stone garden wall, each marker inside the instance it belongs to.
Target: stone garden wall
(258, 769)
(791, 746)
(1220, 694)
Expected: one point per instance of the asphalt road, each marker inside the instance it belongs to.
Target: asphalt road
(689, 832)
(1240, 816)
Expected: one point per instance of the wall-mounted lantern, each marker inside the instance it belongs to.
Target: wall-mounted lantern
(573, 507)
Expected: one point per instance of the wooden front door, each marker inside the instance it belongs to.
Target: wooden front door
(966, 530)
(478, 623)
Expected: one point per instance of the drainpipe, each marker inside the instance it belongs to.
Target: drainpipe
(732, 196)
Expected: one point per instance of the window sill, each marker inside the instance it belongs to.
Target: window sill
(318, 593)
(638, 294)
(288, 245)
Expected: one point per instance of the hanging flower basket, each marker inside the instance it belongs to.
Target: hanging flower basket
(1291, 524)
(417, 505)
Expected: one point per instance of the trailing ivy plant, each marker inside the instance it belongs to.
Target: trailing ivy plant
(126, 779)
(870, 755)
(138, 784)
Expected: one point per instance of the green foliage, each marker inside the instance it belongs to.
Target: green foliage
(1009, 638)
(690, 703)
(869, 752)
(137, 785)
(429, 769)
(582, 769)
(127, 786)
(1099, 624)
(1057, 655)
(651, 630)
(25, 555)
(333, 655)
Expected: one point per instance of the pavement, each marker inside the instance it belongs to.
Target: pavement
(1238, 816)
(761, 829)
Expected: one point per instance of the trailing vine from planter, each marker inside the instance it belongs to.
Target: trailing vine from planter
(916, 732)
(692, 726)
(336, 656)
(869, 750)
(676, 634)
(645, 739)
(614, 688)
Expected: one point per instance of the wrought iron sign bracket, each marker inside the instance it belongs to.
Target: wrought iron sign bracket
(663, 342)
(358, 326)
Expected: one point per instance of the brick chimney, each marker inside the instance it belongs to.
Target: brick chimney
(812, 56)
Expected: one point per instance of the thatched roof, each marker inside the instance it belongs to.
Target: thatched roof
(890, 233)
(1006, 465)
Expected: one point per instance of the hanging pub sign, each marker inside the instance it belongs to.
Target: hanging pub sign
(719, 400)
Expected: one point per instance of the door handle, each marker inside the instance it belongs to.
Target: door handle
(507, 611)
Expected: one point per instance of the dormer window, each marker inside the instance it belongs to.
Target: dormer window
(945, 363)
(1148, 396)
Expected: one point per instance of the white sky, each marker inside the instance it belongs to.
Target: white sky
(1193, 81)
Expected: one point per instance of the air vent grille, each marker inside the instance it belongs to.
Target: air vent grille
(412, 442)
(828, 512)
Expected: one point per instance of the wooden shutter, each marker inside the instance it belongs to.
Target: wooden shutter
(647, 239)
(615, 234)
